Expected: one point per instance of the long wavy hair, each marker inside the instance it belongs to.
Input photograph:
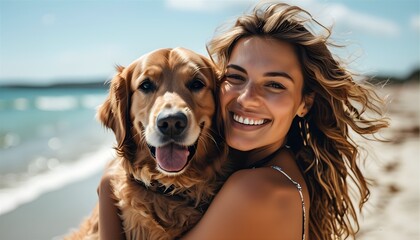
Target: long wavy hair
(330, 158)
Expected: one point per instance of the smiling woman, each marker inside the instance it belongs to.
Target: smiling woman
(287, 104)
(263, 83)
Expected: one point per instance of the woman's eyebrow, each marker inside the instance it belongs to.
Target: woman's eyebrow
(236, 67)
(268, 74)
(278, 74)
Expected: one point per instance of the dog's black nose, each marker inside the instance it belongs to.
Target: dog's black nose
(173, 124)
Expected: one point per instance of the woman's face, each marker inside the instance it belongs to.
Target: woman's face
(261, 93)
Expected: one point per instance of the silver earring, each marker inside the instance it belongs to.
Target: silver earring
(304, 131)
(306, 137)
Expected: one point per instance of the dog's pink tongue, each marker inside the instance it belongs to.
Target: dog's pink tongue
(172, 157)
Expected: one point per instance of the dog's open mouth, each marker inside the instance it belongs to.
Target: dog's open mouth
(173, 157)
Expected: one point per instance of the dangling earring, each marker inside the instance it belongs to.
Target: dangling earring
(306, 137)
(304, 131)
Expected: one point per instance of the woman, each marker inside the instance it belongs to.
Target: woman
(287, 105)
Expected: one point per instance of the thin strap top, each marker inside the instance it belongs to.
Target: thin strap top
(299, 188)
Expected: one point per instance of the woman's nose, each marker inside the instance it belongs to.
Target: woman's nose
(248, 97)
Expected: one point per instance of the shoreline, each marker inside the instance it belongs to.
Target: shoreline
(66, 174)
(54, 214)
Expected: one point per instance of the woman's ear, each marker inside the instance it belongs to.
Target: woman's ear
(305, 106)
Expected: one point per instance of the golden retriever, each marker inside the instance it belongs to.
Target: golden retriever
(171, 160)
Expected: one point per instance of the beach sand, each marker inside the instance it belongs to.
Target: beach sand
(393, 211)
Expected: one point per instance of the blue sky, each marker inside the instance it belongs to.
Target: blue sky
(48, 41)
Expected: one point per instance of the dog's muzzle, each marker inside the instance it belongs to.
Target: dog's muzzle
(173, 157)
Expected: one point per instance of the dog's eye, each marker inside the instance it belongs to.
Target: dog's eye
(147, 86)
(196, 85)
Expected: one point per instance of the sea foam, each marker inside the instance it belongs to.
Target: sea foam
(62, 175)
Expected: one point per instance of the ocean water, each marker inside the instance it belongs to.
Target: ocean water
(49, 137)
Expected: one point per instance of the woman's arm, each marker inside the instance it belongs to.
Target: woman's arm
(252, 204)
(110, 224)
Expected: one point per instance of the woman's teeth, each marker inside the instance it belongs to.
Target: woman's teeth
(247, 121)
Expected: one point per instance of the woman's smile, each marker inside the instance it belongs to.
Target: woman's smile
(248, 123)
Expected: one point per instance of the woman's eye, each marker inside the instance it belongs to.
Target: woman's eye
(276, 85)
(196, 85)
(234, 77)
(147, 86)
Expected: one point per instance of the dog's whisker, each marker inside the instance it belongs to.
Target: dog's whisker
(142, 135)
(211, 137)
(204, 143)
(205, 137)
(141, 138)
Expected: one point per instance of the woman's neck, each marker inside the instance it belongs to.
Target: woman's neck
(248, 158)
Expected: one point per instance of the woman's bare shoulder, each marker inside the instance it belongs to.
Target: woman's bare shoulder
(260, 182)
(265, 187)
(252, 204)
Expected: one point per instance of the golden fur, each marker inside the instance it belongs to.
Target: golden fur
(155, 203)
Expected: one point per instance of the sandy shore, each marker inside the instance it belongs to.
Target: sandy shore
(53, 214)
(393, 211)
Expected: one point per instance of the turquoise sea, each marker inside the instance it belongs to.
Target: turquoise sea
(49, 138)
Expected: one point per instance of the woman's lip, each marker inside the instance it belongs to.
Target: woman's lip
(249, 115)
(247, 121)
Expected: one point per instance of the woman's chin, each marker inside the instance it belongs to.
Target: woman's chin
(241, 144)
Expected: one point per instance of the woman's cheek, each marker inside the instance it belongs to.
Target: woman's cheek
(226, 92)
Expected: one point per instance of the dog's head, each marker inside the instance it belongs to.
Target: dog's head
(161, 109)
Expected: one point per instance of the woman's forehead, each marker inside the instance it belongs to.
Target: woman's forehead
(264, 52)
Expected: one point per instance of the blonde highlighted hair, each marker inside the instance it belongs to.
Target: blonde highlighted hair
(330, 159)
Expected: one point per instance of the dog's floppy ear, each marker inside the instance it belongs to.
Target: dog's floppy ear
(114, 112)
(216, 75)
